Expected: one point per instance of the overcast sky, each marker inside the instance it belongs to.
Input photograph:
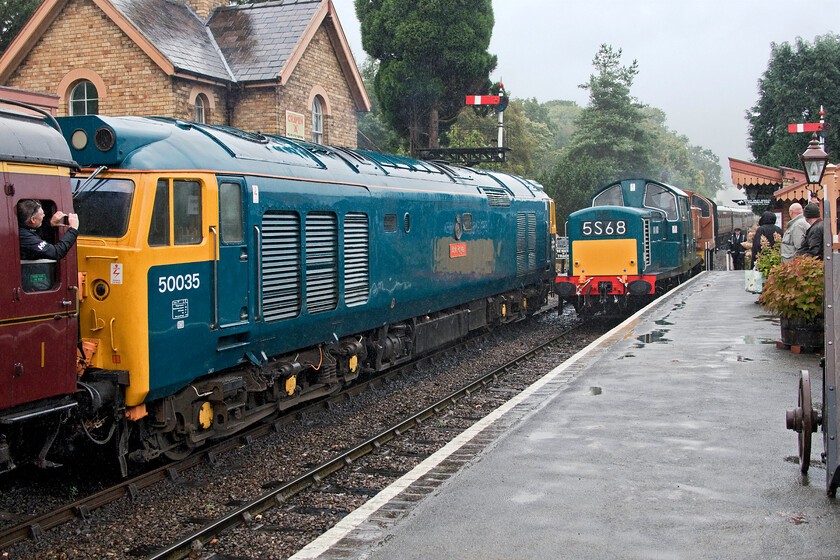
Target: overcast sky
(699, 60)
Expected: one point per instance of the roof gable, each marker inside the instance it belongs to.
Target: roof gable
(249, 43)
(258, 40)
(177, 33)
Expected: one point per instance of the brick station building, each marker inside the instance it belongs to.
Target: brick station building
(281, 67)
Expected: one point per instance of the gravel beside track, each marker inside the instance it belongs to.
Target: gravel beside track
(134, 528)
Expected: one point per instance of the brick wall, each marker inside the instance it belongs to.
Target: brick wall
(256, 110)
(319, 67)
(204, 7)
(184, 109)
(82, 37)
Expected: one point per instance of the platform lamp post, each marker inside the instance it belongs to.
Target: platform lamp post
(814, 160)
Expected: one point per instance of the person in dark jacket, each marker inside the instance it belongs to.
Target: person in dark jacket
(813, 243)
(767, 229)
(736, 249)
(32, 247)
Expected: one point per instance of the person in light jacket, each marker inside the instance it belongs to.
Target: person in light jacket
(794, 232)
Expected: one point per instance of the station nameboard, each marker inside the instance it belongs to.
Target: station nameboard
(295, 124)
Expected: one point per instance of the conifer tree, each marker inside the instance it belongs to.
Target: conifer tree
(431, 55)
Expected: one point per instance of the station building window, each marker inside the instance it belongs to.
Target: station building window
(201, 108)
(84, 99)
(317, 121)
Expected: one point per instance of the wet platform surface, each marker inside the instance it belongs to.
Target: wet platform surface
(665, 439)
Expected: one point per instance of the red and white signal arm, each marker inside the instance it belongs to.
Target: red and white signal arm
(805, 127)
(482, 100)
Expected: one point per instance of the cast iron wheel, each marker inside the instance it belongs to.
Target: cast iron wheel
(808, 424)
(803, 420)
(174, 447)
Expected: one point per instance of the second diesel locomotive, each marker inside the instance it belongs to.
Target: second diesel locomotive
(635, 241)
(224, 276)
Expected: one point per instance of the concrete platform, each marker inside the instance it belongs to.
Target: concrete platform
(664, 439)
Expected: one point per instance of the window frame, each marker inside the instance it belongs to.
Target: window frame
(200, 109)
(317, 120)
(85, 100)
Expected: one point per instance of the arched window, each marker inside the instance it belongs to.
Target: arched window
(200, 108)
(317, 121)
(84, 99)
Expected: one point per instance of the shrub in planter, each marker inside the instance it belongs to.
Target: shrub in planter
(794, 291)
(769, 258)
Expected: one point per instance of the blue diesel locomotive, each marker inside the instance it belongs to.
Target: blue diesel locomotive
(225, 276)
(635, 241)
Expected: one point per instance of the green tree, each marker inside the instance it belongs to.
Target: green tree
(611, 140)
(797, 81)
(527, 140)
(431, 55)
(374, 132)
(679, 163)
(563, 115)
(13, 16)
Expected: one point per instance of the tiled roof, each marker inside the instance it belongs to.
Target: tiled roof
(258, 39)
(178, 33)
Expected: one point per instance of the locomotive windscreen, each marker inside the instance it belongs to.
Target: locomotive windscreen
(103, 207)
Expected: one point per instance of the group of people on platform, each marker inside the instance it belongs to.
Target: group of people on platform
(802, 236)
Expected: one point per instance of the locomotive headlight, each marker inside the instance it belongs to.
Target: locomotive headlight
(104, 138)
(79, 139)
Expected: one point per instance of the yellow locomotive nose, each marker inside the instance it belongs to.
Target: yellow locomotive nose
(603, 257)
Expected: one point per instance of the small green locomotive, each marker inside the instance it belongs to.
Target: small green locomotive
(635, 241)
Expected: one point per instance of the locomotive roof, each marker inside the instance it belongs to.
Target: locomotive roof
(678, 191)
(30, 139)
(165, 143)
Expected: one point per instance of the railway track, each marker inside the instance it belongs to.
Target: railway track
(131, 491)
(317, 477)
(82, 508)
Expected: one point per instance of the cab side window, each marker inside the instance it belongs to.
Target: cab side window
(41, 275)
(159, 228)
(183, 197)
(186, 202)
(230, 205)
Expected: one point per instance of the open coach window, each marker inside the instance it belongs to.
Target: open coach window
(103, 206)
(41, 275)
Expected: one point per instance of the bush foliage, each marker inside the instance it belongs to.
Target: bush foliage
(794, 289)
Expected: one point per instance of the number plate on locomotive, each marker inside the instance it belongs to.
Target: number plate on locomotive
(591, 228)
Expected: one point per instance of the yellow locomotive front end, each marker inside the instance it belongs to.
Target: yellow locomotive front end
(127, 233)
